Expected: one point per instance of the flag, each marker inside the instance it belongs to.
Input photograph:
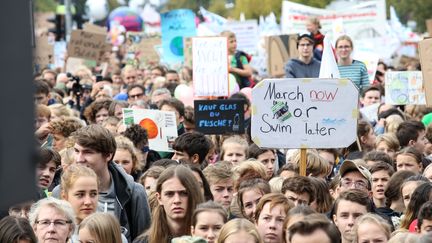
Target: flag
(329, 67)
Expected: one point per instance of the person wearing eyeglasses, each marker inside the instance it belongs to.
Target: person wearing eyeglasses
(305, 66)
(52, 220)
(354, 176)
(136, 92)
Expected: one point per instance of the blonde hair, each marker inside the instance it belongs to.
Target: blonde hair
(392, 123)
(404, 237)
(390, 139)
(345, 37)
(236, 226)
(236, 139)
(248, 170)
(71, 175)
(220, 171)
(228, 34)
(126, 144)
(60, 110)
(276, 184)
(315, 164)
(375, 219)
(103, 226)
(315, 21)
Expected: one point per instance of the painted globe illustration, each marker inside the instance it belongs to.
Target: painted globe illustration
(176, 46)
(150, 126)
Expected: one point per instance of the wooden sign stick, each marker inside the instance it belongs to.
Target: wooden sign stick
(302, 162)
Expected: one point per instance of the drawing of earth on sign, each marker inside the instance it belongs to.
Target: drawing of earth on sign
(176, 46)
(399, 90)
(150, 126)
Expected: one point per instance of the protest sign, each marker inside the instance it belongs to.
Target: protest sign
(141, 48)
(160, 125)
(219, 116)
(370, 59)
(187, 51)
(43, 53)
(94, 28)
(87, 45)
(403, 88)
(246, 34)
(429, 27)
(280, 48)
(210, 66)
(304, 113)
(176, 25)
(370, 112)
(73, 64)
(425, 52)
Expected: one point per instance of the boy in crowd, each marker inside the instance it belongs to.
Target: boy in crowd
(299, 190)
(220, 179)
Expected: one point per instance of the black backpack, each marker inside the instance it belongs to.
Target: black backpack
(244, 81)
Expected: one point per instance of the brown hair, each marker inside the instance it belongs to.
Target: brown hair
(356, 196)
(345, 37)
(209, 206)
(299, 184)
(103, 226)
(66, 126)
(97, 138)
(126, 144)
(251, 184)
(93, 108)
(220, 171)
(274, 199)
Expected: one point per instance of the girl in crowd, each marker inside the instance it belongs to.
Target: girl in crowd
(295, 215)
(422, 194)
(234, 149)
(348, 67)
(371, 228)
(410, 159)
(207, 221)
(149, 178)
(239, 230)
(100, 228)
(178, 194)
(249, 194)
(266, 156)
(387, 143)
(116, 108)
(16, 230)
(409, 185)
(128, 157)
(97, 112)
(323, 200)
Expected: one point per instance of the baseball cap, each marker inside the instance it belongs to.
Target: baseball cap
(349, 165)
(308, 36)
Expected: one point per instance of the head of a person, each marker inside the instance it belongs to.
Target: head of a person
(60, 111)
(157, 71)
(42, 116)
(49, 161)
(149, 178)
(354, 175)
(207, 221)
(159, 95)
(174, 105)
(266, 156)
(172, 76)
(100, 227)
(94, 147)
(409, 185)
(138, 135)
(116, 108)
(421, 195)
(41, 95)
(350, 205)
(412, 134)
(129, 75)
(387, 143)
(16, 230)
(305, 46)
(62, 128)
(313, 25)
(314, 228)
(366, 135)
(97, 112)
(296, 214)
(79, 186)
(344, 46)
(381, 173)
(249, 194)
(270, 215)
(234, 149)
(410, 159)
(316, 166)
(299, 190)
(373, 157)
(232, 41)
(424, 219)
(393, 193)
(370, 96)
(276, 184)
(220, 179)
(371, 228)
(189, 119)
(191, 147)
(126, 155)
(136, 92)
(288, 170)
(50, 76)
(52, 220)
(202, 181)
(239, 230)
(323, 200)
(330, 156)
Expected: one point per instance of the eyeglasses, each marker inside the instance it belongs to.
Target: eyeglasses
(344, 47)
(131, 77)
(357, 184)
(58, 223)
(136, 96)
(173, 80)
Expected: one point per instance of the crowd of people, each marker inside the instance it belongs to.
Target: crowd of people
(99, 180)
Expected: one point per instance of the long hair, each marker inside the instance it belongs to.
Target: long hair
(238, 225)
(421, 194)
(103, 226)
(14, 229)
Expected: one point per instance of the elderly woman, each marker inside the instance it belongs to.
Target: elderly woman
(52, 220)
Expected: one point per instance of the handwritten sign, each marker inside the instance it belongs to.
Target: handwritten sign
(160, 125)
(219, 116)
(403, 88)
(210, 66)
(304, 113)
(43, 53)
(176, 25)
(87, 45)
(246, 34)
(425, 53)
(141, 48)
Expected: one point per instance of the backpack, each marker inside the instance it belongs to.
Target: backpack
(244, 81)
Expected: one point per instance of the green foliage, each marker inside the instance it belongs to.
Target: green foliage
(417, 10)
(45, 5)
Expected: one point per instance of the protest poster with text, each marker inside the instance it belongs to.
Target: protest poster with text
(43, 53)
(87, 45)
(140, 49)
(210, 66)
(246, 35)
(219, 116)
(404, 88)
(425, 53)
(176, 25)
(304, 113)
(160, 125)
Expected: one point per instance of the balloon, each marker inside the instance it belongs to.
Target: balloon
(179, 90)
(248, 92)
(232, 84)
(126, 17)
(97, 9)
(187, 96)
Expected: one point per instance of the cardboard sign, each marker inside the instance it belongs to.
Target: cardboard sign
(403, 88)
(425, 52)
(280, 48)
(210, 66)
(219, 116)
(246, 34)
(429, 27)
(304, 113)
(94, 28)
(142, 48)
(43, 53)
(187, 51)
(87, 45)
(160, 125)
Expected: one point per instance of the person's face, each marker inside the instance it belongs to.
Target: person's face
(371, 97)
(240, 237)
(86, 237)
(172, 78)
(91, 158)
(118, 112)
(298, 198)
(116, 79)
(50, 77)
(268, 159)
(177, 114)
(368, 141)
(370, 232)
(353, 180)
(408, 162)
(329, 157)
(311, 27)
(343, 49)
(130, 77)
(250, 200)
(407, 191)
(179, 155)
(58, 141)
(222, 192)
(383, 147)
(345, 217)
(155, 73)
(101, 116)
(232, 45)
(124, 158)
(45, 174)
(150, 184)
(426, 226)
(208, 226)
(380, 180)
(234, 153)
(174, 199)
(136, 94)
(188, 126)
(270, 223)
(317, 236)
(83, 196)
(41, 99)
(40, 120)
(47, 231)
(420, 143)
(305, 48)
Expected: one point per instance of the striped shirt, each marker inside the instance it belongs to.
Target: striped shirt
(357, 72)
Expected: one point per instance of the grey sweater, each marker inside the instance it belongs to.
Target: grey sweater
(298, 69)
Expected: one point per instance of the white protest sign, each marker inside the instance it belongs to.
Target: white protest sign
(403, 88)
(304, 113)
(210, 66)
(160, 125)
(246, 34)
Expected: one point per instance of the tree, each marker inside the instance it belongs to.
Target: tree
(417, 10)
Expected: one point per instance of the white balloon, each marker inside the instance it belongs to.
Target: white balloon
(97, 9)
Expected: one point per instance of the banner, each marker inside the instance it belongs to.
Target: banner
(210, 66)
(404, 88)
(279, 49)
(425, 53)
(304, 113)
(87, 45)
(176, 25)
(219, 116)
(246, 34)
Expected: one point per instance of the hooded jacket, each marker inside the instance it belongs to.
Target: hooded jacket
(298, 69)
